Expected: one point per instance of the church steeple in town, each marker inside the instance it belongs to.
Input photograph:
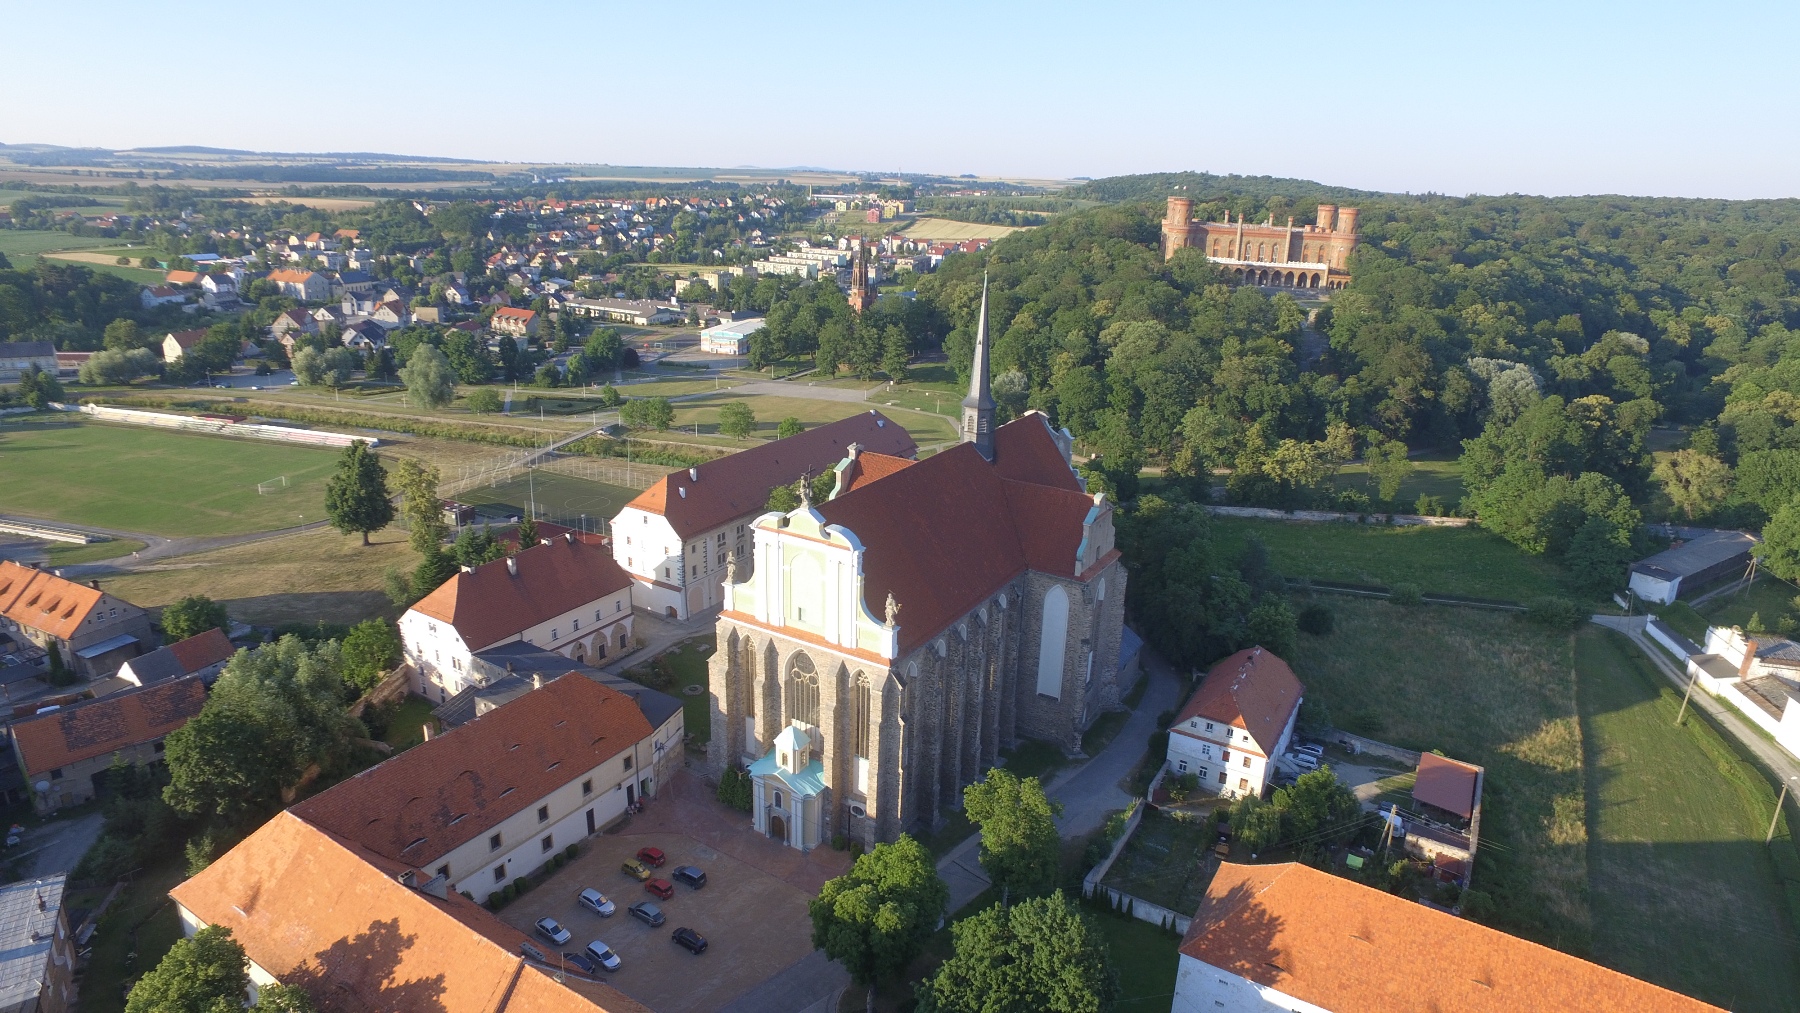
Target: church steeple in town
(978, 407)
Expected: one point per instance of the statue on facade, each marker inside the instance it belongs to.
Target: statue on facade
(731, 567)
(893, 610)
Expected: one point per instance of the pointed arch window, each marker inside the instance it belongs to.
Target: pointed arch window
(859, 715)
(802, 690)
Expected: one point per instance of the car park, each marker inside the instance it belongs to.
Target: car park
(690, 874)
(646, 912)
(596, 902)
(660, 888)
(635, 869)
(653, 857)
(689, 940)
(581, 962)
(552, 930)
(603, 955)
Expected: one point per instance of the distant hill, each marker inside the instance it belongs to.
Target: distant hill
(1206, 186)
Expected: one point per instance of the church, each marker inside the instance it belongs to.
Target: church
(889, 642)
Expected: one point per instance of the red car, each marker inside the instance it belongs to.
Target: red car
(653, 857)
(661, 888)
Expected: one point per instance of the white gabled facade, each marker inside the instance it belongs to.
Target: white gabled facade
(676, 577)
(1202, 988)
(1226, 759)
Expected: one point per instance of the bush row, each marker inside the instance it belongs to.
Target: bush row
(524, 883)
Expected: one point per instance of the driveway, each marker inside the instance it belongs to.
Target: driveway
(57, 846)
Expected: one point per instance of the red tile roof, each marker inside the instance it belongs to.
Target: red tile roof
(181, 277)
(502, 599)
(330, 917)
(188, 339)
(99, 727)
(513, 312)
(1348, 948)
(956, 513)
(739, 485)
(1253, 690)
(869, 467)
(203, 650)
(425, 802)
(1447, 784)
(44, 601)
(289, 276)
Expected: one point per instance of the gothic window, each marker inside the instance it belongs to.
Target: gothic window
(859, 716)
(1262, 251)
(1215, 251)
(1052, 640)
(802, 690)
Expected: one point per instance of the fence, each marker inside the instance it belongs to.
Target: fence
(1356, 744)
(1136, 907)
(220, 427)
(1398, 520)
(504, 468)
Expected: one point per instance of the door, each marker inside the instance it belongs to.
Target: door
(630, 794)
(590, 815)
(777, 828)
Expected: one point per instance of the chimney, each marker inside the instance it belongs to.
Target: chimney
(1749, 658)
(409, 879)
(1290, 221)
(426, 728)
(537, 680)
(512, 566)
(509, 668)
(569, 536)
(95, 584)
(693, 474)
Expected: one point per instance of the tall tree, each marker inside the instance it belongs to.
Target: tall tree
(1780, 548)
(429, 380)
(789, 426)
(356, 498)
(208, 973)
(875, 918)
(528, 532)
(1694, 482)
(1389, 468)
(737, 419)
(417, 485)
(192, 616)
(371, 648)
(1020, 846)
(1038, 954)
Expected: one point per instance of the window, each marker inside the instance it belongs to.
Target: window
(1206, 751)
(56, 775)
(1209, 726)
(619, 606)
(802, 690)
(500, 872)
(577, 624)
(543, 814)
(587, 787)
(628, 761)
(547, 843)
(597, 615)
(1246, 761)
(1243, 782)
(1201, 773)
(494, 843)
(859, 716)
(553, 633)
(777, 799)
(1221, 777)
(1182, 766)
(444, 871)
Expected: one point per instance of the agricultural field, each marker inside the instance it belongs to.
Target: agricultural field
(1463, 561)
(935, 229)
(176, 484)
(105, 261)
(22, 245)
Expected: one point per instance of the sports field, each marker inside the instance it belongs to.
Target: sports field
(562, 499)
(165, 483)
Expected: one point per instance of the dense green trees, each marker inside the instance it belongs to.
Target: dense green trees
(1038, 954)
(192, 616)
(429, 380)
(875, 918)
(207, 973)
(1020, 845)
(647, 413)
(737, 419)
(371, 648)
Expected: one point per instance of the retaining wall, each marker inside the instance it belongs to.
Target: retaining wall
(1358, 744)
(1137, 907)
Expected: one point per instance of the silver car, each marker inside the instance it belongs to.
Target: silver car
(552, 930)
(596, 902)
(646, 912)
(603, 955)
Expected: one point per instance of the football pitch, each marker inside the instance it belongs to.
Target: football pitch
(165, 483)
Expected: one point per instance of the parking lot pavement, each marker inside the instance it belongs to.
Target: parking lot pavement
(755, 923)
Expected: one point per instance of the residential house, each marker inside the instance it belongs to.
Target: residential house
(37, 952)
(218, 292)
(93, 631)
(65, 753)
(355, 281)
(20, 357)
(203, 655)
(1691, 565)
(457, 295)
(498, 797)
(365, 336)
(181, 279)
(520, 323)
(362, 932)
(161, 295)
(391, 314)
(428, 314)
(306, 286)
(675, 537)
(1238, 721)
(1444, 825)
(358, 304)
(562, 595)
(730, 338)
(326, 315)
(178, 343)
(292, 323)
(1290, 937)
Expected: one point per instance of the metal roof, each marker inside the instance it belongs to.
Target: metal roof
(1699, 554)
(28, 911)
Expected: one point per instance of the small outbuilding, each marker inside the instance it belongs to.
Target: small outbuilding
(1692, 564)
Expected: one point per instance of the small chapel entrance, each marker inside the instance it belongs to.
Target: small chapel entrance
(778, 828)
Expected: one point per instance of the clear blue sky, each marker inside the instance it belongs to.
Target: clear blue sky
(1640, 98)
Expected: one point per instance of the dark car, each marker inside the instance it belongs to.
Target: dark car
(689, 940)
(646, 912)
(660, 888)
(653, 857)
(690, 874)
(581, 962)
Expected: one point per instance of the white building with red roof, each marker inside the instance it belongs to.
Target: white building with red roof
(563, 595)
(1239, 720)
(886, 644)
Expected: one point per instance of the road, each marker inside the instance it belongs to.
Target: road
(56, 846)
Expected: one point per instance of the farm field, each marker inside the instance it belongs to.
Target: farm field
(1682, 889)
(952, 231)
(1461, 561)
(105, 263)
(165, 483)
(25, 244)
(256, 581)
(771, 410)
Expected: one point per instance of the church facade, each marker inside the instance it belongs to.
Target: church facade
(889, 642)
(1263, 253)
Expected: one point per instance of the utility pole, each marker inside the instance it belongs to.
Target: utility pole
(1685, 697)
(1777, 817)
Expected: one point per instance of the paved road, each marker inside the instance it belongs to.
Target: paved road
(812, 984)
(156, 547)
(55, 847)
(1771, 755)
(801, 389)
(1088, 793)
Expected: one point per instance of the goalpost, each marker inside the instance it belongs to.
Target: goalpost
(271, 486)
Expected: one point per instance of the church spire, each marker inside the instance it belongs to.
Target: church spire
(978, 407)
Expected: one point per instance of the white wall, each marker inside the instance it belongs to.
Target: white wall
(1201, 748)
(1202, 988)
(1654, 589)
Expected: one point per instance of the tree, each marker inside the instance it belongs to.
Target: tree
(547, 376)
(483, 400)
(1273, 626)
(39, 388)
(279, 998)
(208, 973)
(789, 426)
(528, 533)
(370, 650)
(737, 419)
(875, 918)
(468, 357)
(1020, 845)
(356, 497)
(192, 616)
(896, 352)
(417, 485)
(1694, 482)
(648, 413)
(309, 367)
(1389, 468)
(1039, 954)
(338, 363)
(474, 548)
(1780, 548)
(430, 383)
(122, 335)
(111, 368)
(437, 566)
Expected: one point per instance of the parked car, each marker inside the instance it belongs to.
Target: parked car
(582, 962)
(550, 929)
(653, 857)
(646, 912)
(1312, 749)
(635, 869)
(689, 940)
(690, 874)
(603, 955)
(1301, 760)
(661, 888)
(596, 902)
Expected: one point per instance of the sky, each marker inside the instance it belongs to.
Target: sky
(1642, 98)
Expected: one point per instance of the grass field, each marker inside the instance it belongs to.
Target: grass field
(771, 410)
(1165, 862)
(1683, 892)
(562, 499)
(68, 554)
(259, 582)
(132, 478)
(676, 387)
(24, 244)
(949, 231)
(1769, 598)
(138, 929)
(1463, 561)
(1434, 474)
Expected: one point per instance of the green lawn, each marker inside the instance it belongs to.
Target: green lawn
(1683, 892)
(1684, 619)
(68, 554)
(1165, 862)
(771, 410)
(561, 499)
(1434, 474)
(688, 662)
(133, 478)
(1768, 599)
(25, 244)
(406, 725)
(1033, 758)
(1462, 561)
(136, 931)
(1146, 959)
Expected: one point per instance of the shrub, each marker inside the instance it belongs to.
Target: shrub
(839, 842)
(1317, 620)
(735, 790)
(856, 849)
(1477, 905)
(1405, 595)
(1556, 613)
(571, 851)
